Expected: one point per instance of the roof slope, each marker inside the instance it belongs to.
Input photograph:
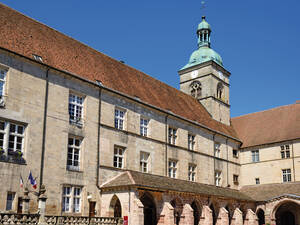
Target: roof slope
(266, 192)
(274, 125)
(26, 36)
(133, 178)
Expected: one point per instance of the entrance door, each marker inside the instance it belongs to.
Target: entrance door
(92, 209)
(20, 205)
(287, 218)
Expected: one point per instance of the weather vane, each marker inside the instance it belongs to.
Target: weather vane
(203, 6)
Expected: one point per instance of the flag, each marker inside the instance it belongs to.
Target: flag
(21, 181)
(32, 180)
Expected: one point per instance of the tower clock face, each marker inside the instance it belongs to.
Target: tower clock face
(194, 73)
(221, 75)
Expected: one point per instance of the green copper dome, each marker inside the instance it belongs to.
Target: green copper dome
(204, 53)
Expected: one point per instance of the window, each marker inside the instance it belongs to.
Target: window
(191, 142)
(75, 109)
(217, 150)
(71, 199)
(285, 151)
(172, 136)
(257, 181)
(218, 178)
(73, 161)
(196, 89)
(144, 127)
(9, 200)
(235, 153)
(192, 173)
(172, 168)
(286, 175)
(255, 155)
(235, 179)
(220, 90)
(119, 157)
(16, 137)
(2, 81)
(119, 119)
(144, 162)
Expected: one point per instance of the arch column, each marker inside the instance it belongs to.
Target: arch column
(206, 216)
(223, 217)
(167, 215)
(237, 218)
(187, 216)
(251, 218)
(138, 212)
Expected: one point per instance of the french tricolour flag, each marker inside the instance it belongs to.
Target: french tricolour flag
(32, 180)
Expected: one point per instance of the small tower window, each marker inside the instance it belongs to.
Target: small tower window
(196, 89)
(220, 90)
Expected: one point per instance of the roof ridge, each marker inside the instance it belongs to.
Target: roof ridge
(130, 177)
(111, 179)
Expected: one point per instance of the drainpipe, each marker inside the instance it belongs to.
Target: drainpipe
(293, 161)
(98, 139)
(227, 162)
(44, 129)
(166, 145)
(214, 172)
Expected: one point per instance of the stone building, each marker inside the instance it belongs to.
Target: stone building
(108, 140)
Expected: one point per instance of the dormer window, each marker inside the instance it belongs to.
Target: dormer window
(196, 89)
(220, 90)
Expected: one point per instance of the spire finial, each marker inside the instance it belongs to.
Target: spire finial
(203, 6)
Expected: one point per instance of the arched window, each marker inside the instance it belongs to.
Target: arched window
(115, 209)
(196, 89)
(220, 90)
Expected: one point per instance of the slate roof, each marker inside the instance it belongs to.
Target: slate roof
(270, 126)
(144, 180)
(25, 36)
(266, 192)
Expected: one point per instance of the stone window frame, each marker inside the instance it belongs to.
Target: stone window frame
(10, 202)
(172, 135)
(172, 168)
(119, 118)
(235, 179)
(218, 178)
(220, 90)
(76, 108)
(217, 149)
(192, 169)
(3, 78)
(74, 147)
(235, 153)
(255, 155)
(196, 89)
(285, 151)
(144, 126)
(119, 157)
(144, 162)
(286, 175)
(257, 180)
(191, 141)
(74, 197)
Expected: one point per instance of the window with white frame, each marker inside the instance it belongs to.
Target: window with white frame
(172, 168)
(119, 157)
(286, 175)
(75, 108)
(172, 136)
(144, 127)
(73, 160)
(285, 151)
(9, 201)
(192, 172)
(2, 81)
(217, 150)
(11, 136)
(71, 199)
(255, 155)
(218, 178)
(144, 162)
(119, 119)
(191, 142)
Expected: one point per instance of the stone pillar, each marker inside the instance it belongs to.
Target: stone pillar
(42, 206)
(167, 215)
(206, 216)
(137, 216)
(251, 218)
(237, 218)
(223, 217)
(187, 216)
(26, 199)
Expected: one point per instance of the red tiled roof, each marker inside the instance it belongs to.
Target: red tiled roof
(26, 36)
(270, 126)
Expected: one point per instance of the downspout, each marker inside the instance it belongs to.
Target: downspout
(293, 161)
(166, 145)
(214, 172)
(98, 140)
(44, 129)
(227, 162)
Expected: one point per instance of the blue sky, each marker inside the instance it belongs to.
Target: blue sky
(259, 41)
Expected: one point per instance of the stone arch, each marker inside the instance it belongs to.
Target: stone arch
(149, 210)
(196, 206)
(220, 90)
(214, 213)
(230, 210)
(115, 208)
(286, 212)
(196, 89)
(178, 207)
(261, 216)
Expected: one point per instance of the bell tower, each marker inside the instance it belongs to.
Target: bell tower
(205, 78)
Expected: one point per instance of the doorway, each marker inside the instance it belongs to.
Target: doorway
(92, 209)
(149, 209)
